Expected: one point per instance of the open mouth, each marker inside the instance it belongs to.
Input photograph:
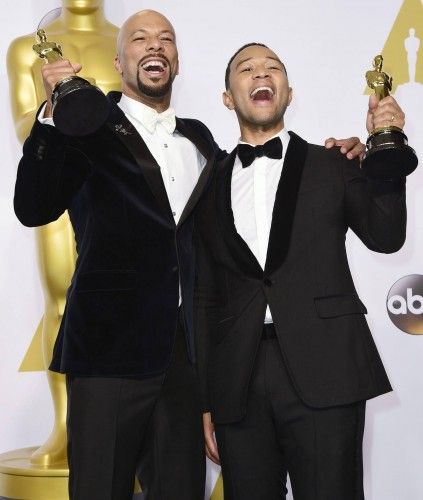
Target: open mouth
(262, 94)
(154, 67)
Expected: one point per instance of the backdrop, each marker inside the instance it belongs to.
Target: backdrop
(327, 47)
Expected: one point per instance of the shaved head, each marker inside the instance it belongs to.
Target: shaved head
(138, 19)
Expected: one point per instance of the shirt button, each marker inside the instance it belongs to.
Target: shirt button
(268, 282)
(165, 145)
(174, 213)
(173, 179)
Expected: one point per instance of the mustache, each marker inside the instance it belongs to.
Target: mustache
(156, 56)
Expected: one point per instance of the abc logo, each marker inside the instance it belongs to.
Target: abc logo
(405, 304)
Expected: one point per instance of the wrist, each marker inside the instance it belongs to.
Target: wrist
(48, 112)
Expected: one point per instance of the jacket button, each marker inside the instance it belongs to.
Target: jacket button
(175, 269)
(268, 282)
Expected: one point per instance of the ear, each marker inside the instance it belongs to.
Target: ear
(117, 65)
(227, 99)
(290, 95)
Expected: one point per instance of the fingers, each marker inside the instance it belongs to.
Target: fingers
(345, 144)
(356, 151)
(351, 147)
(387, 113)
(212, 453)
(330, 142)
(53, 73)
(210, 440)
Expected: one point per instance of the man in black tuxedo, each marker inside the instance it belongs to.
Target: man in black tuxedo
(286, 356)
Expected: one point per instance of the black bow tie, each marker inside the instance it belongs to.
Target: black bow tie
(272, 149)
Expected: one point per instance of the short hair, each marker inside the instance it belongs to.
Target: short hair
(228, 67)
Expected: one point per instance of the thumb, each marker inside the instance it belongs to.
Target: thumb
(76, 67)
(373, 102)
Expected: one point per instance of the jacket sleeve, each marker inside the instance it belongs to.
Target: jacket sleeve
(50, 173)
(219, 153)
(375, 209)
(206, 302)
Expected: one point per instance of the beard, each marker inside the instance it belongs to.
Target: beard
(155, 92)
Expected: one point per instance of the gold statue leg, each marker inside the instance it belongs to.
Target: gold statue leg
(57, 255)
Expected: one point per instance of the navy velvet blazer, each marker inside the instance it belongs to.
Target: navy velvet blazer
(122, 305)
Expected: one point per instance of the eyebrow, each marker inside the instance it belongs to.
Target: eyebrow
(267, 57)
(142, 30)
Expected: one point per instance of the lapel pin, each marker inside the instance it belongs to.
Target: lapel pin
(121, 129)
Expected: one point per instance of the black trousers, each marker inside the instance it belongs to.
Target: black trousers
(118, 427)
(321, 449)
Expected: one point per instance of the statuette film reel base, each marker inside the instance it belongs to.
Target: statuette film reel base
(388, 155)
(79, 108)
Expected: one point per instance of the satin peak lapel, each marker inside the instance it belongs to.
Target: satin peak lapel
(285, 203)
(207, 151)
(241, 253)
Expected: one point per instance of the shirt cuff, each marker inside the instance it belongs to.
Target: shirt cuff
(45, 121)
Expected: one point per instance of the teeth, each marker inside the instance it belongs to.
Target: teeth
(153, 63)
(254, 92)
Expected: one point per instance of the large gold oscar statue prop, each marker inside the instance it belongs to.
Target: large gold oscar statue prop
(88, 38)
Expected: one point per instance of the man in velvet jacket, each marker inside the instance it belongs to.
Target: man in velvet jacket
(286, 355)
(125, 344)
(126, 340)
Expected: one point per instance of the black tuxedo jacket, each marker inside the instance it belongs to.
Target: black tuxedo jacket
(122, 305)
(319, 318)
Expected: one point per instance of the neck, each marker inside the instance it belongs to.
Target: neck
(159, 104)
(259, 134)
(83, 19)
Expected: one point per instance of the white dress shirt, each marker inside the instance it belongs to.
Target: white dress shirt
(253, 192)
(179, 160)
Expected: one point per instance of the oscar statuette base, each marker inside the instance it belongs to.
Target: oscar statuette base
(79, 108)
(20, 479)
(388, 155)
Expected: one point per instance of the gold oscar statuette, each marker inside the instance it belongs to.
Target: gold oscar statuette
(79, 108)
(388, 155)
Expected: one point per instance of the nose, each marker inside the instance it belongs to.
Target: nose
(261, 72)
(154, 44)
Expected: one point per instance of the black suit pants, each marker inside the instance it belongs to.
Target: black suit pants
(118, 427)
(321, 449)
